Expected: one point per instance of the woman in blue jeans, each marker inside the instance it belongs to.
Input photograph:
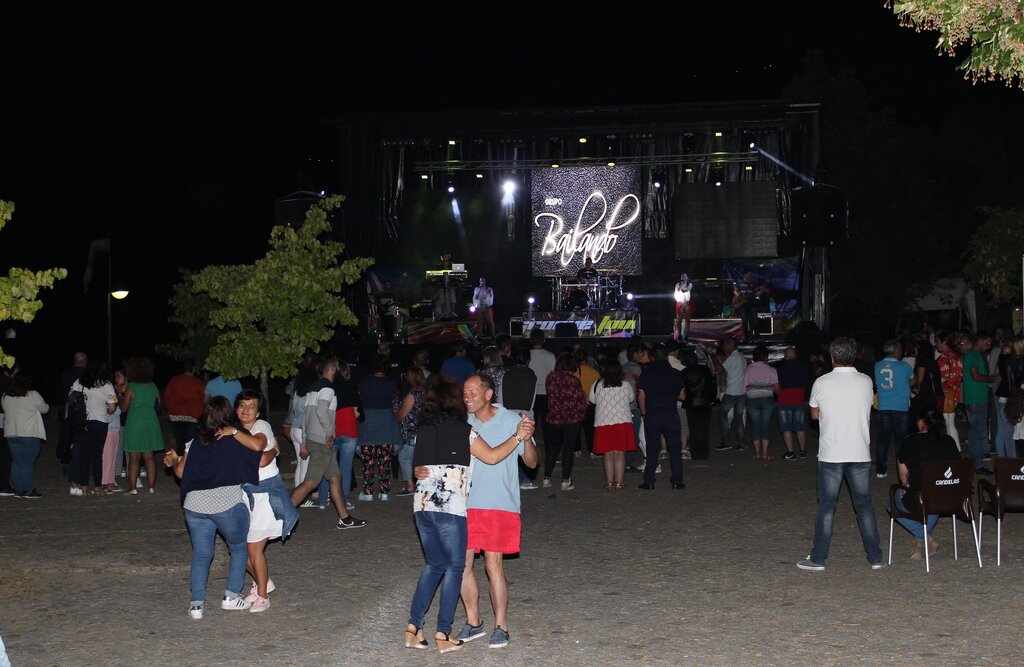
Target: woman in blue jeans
(23, 428)
(212, 472)
(444, 442)
(760, 384)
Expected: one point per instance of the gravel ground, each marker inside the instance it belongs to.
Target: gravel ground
(703, 576)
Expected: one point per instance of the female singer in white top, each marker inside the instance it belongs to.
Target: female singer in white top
(483, 300)
(682, 294)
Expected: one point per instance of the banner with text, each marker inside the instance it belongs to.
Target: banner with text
(581, 212)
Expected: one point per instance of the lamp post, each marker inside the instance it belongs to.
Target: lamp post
(118, 293)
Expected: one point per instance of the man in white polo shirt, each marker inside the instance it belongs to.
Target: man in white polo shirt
(841, 401)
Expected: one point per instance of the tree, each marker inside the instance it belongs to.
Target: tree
(271, 312)
(196, 335)
(995, 253)
(18, 291)
(993, 29)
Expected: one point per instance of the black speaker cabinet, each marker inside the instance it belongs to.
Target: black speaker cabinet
(566, 330)
(818, 215)
(515, 326)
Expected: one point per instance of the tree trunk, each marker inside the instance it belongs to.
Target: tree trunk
(264, 390)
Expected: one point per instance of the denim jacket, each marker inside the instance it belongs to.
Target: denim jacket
(280, 502)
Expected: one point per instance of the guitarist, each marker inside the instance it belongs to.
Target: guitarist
(743, 303)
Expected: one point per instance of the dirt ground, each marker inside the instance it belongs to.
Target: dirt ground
(702, 576)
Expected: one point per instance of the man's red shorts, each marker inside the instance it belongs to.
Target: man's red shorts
(493, 530)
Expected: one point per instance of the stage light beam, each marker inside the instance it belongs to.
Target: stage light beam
(508, 187)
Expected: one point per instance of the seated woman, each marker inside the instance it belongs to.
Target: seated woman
(444, 442)
(929, 443)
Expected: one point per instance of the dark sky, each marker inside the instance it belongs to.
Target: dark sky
(172, 127)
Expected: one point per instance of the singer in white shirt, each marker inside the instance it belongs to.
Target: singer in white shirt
(483, 300)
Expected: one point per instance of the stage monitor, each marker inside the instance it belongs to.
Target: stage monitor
(727, 220)
(580, 212)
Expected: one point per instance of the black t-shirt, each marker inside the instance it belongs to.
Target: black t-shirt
(918, 448)
(661, 385)
(794, 374)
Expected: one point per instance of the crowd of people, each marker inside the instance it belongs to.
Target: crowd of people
(463, 440)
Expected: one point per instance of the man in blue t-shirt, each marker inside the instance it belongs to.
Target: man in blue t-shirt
(458, 366)
(892, 381)
(218, 386)
(492, 517)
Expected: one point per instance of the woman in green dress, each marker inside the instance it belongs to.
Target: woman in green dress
(139, 399)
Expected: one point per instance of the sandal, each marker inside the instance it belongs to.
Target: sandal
(447, 645)
(618, 486)
(414, 639)
(608, 486)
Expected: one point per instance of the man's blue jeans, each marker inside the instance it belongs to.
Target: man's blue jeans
(977, 432)
(233, 524)
(345, 451)
(1004, 432)
(914, 527)
(858, 479)
(444, 538)
(892, 425)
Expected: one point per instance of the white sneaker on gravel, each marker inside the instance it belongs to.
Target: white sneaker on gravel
(567, 485)
(195, 610)
(236, 603)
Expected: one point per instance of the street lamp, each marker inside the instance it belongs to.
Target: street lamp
(118, 292)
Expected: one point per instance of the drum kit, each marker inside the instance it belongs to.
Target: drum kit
(602, 292)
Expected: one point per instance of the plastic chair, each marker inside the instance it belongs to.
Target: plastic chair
(1006, 495)
(946, 489)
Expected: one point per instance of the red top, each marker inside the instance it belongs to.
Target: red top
(346, 423)
(184, 396)
(566, 404)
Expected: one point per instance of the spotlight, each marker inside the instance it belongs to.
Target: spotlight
(688, 170)
(323, 192)
(508, 187)
(657, 184)
(717, 134)
(583, 140)
(531, 299)
(451, 142)
(748, 168)
(472, 310)
(554, 165)
(752, 145)
(451, 189)
(610, 163)
(629, 296)
(479, 175)
(424, 176)
(718, 184)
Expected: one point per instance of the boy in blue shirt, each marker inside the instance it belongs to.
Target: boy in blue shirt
(892, 381)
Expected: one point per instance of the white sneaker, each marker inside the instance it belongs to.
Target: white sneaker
(142, 473)
(528, 485)
(685, 455)
(547, 482)
(195, 610)
(567, 485)
(139, 484)
(76, 491)
(657, 470)
(236, 603)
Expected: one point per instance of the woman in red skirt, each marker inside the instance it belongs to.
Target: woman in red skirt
(613, 421)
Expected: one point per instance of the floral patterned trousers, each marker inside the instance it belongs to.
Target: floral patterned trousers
(379, 457)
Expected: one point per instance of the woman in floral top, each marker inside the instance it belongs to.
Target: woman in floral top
(444, 442)
(566, 408)
(408, 413)
(951, 371)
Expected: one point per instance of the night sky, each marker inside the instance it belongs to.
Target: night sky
(172, 128)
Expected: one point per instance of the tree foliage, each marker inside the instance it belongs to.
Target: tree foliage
(20, 288)
(269, 313)
(196, 335)
(995, 253)
(993, 29)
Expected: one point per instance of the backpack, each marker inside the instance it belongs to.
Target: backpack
(77, 415)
